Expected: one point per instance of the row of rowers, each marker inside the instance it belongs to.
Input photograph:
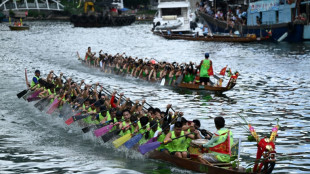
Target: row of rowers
(150, 69)
(102, 107)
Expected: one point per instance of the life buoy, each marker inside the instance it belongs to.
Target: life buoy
(83, 19)
(100, 19)
(74, 18)
(92, 19)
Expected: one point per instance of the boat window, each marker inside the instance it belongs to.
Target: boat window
(171, 11)
(277, 16)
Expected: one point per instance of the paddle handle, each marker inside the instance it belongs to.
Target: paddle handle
(166, 142)
(26, 77)
(128, 125)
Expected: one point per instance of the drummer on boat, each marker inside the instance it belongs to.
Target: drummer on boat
(35, 79)
(219, 147)
(205, 67)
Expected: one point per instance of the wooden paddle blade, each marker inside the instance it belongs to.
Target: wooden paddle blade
(19, 95)
(34, 95)
(154, 139)
(43, 105)
(129, 144)
(28, 94)
(33, 99)
(87, 129)
(163, 81)
(120, 141)
(38, 104)
(107, 137)
(148, 147)
(53, 106)
(79, 117)
(103, 130)
(69, 121)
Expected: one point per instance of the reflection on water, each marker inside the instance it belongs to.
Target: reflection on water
(273, 84)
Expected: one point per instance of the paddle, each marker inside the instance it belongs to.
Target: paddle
(129, 144)
(22, 93)
(163, 81)
(33, 96)
(76, 118)
(151, 146)
(87, 128)
(28, 94)
(54, 105)
(40, 105)
(154, 139)
(134, 140)
(107, 137)
(179, 80)
(120, 141)
(104, 130)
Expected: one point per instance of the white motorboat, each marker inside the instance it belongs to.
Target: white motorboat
(175, 15)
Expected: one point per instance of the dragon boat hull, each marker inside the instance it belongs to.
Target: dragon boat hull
(195, 165)
(216, 89)
(19, 28)
(215, 38)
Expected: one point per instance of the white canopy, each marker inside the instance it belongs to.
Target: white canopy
(173, 4)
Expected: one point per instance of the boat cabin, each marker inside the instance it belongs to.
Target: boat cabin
(276, 12)
(174, 14)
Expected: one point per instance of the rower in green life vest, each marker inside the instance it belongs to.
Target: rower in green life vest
(178, 146)
(125, 126)
(161, 135)
(204, 66)
(220, 144)
(35, 79)
(142, 128)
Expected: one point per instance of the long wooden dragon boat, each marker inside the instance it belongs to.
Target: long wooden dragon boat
(214, 38)
(193, 86)
(196, 166)
(265, 145)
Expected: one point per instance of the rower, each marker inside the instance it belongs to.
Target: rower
(35, 79)
(142, 128)
(217, 152)
(127, 118)
(102, 114)
(161, 134)
(178, 147)
(90, 57)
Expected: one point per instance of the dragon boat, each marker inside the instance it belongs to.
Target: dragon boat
(265, 157)
(179, 82)
(213, 38)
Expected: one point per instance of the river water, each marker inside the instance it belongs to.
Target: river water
(274, 83)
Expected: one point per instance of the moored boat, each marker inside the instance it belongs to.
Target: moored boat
(18, 28)
(110, 14)
(213, 38)
(278, 20)
(177, 16)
